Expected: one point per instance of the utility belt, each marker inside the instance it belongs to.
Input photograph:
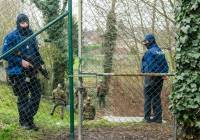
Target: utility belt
(21, 84)
(30, 73)
(17, 79)
(12, 79)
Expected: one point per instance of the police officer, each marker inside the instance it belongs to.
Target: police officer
(101, 95)
(23, 66)
(153, 61)
(60, 99)
(89, 110)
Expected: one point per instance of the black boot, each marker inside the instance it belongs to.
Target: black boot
(25, 126)
(155, 120)
(33, 126)
(147, 120)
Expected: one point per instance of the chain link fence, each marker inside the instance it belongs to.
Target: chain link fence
(124, 85)
(33, 97)
(127, 83)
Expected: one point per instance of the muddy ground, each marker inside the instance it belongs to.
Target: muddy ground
(137, 132)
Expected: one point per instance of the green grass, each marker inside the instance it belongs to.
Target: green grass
(91, 48)
(49, 125)
(9, 127)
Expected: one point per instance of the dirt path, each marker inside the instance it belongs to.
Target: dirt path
(137, 132)
(146, 132)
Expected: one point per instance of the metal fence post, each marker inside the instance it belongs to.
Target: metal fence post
(71, 82)
(80, 96)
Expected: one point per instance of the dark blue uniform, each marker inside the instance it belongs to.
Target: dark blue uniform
(153, 62)
(24, 81)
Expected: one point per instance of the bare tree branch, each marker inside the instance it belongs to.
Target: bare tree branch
(64, 5)
(149, 4)
(171, 3)
(141, 19)
(39, 4)
(154, 16)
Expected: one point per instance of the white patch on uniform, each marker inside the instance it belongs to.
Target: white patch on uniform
(6, 42)
(159, 52)
(27, 47)
(28, 79)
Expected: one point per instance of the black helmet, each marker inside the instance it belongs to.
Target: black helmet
(22, 18)
(23, 31)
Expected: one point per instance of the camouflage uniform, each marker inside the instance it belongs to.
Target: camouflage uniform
(89, 111)
(101, 95)
(84, 93)
(59, 99)
(76, 98)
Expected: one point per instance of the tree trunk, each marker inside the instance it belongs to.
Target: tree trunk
(109, 43)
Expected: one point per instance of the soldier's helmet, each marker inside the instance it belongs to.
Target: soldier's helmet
(101, 82)
(88, 101)
(59, 85)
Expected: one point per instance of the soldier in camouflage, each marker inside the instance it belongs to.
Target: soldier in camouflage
(89, 110)
(101, 95)
(59, 99)
(84, 94)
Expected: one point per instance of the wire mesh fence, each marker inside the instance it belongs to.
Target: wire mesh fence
(33, 97)
(127, 74)
(123, 74)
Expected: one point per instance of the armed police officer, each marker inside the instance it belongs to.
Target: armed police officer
(153, 61)
(23, 67)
